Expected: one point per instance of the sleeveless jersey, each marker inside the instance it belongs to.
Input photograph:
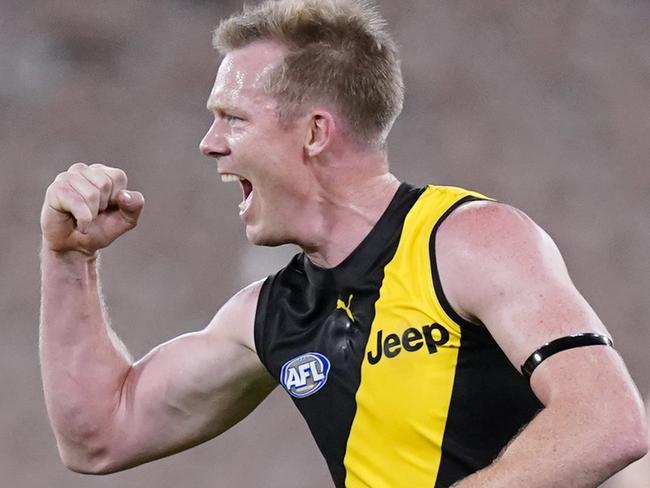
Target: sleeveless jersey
(397, 389)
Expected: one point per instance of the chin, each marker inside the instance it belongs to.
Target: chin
(259, 237)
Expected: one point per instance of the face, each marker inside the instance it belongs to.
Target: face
(253, 149)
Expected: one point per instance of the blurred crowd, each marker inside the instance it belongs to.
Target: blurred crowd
(545, 105)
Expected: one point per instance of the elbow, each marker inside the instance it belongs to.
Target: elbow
(631, 451)
(637, 444)
(89, 467)
(629, 440)
(82, 467)
(80, 464)
(87, 447)
(87, 459)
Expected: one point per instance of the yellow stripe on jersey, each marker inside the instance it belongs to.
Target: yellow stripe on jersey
(407, 374)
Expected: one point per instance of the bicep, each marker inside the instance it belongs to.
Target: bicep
(521, 291)
(185, 392)
(530, 299)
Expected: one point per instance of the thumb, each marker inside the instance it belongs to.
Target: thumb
(114, 222)
(130, 205)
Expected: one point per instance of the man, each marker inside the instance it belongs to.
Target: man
(399, 329)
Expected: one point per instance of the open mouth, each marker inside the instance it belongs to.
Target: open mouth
(247, 189)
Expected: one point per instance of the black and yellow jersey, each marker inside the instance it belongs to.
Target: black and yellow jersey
(397, 389)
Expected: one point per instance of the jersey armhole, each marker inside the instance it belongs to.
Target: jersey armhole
(258, 323)
(435, 275)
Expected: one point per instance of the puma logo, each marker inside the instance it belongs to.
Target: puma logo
(341, 305)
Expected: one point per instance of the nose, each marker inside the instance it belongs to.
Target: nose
(214, 144)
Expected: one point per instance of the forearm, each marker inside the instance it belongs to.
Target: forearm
(560, 449)
(83, 364)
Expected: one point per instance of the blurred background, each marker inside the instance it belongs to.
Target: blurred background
(545, 105)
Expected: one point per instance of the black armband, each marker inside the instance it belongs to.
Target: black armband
(562, 344)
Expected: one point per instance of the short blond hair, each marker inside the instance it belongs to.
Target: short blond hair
(338, 51)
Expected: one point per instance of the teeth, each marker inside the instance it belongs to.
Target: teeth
(244, 205)
(228, 177)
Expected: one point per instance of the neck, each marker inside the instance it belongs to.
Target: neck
(345, 211)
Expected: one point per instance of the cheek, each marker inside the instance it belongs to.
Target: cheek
(237, 138)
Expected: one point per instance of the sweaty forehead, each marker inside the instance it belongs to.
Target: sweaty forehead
(243, 72)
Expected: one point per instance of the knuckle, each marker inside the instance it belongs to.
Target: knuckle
(76, 167)
(100, 179)
(60, 177)
(119, 176)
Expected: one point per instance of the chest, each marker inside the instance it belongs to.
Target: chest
(320, 338)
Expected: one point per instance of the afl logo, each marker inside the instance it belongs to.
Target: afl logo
(305, 375)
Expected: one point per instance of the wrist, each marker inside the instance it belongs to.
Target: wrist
(71, 256)
(72, 262)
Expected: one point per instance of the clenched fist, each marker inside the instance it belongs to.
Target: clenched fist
(88, 207)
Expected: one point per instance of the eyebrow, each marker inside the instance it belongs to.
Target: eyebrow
(218, 107)
(225, 108)
(214, 107)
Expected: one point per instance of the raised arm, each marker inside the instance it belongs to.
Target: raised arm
(593, 421)
(107, 412)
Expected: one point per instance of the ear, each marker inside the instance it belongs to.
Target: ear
(320, 132)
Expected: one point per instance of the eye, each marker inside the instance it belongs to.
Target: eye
(231, 119)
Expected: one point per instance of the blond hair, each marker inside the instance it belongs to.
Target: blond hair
(338, 51)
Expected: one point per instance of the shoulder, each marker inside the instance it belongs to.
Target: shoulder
(495, 247)
(485, 230)
(236, 318)
(244, 301)
(487, 219)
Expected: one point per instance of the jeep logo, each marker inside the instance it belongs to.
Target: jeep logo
(412, 339)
